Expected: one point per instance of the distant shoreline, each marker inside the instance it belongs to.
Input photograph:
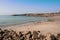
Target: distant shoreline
(38, 14)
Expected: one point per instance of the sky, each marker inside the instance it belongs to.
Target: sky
(8, 7)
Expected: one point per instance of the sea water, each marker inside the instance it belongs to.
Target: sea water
(10, 20)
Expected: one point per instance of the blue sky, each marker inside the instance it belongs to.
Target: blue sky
(8, 7)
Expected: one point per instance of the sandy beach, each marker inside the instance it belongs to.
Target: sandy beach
(44, 27)
(44, 30)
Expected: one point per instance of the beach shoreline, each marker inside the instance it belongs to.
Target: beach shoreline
(51, 26)
(44, 27)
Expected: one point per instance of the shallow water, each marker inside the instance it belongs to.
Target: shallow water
(10, 20)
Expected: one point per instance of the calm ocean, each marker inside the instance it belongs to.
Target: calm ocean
(9, 20)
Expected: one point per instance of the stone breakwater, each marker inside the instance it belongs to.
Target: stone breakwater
(35, 35)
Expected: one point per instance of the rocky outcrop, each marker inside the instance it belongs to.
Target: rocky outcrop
(35, 35)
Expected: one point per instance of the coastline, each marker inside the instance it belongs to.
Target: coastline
(52, 26)
(44, 27)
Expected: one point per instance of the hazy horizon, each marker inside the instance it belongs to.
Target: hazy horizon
(9, 7)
